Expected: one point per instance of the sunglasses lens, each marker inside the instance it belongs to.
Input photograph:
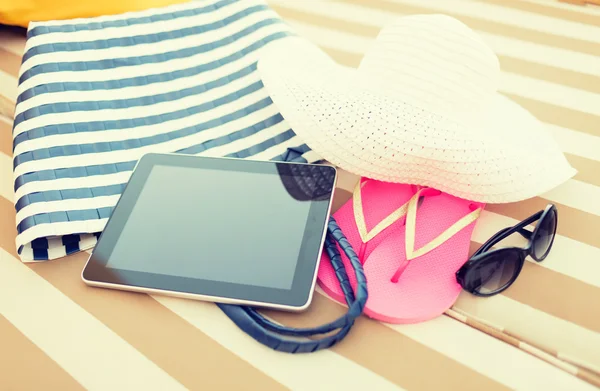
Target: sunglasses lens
(494, 272)
(545, 235)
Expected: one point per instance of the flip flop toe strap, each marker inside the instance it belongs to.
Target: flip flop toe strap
(410, 232)
(359, 215)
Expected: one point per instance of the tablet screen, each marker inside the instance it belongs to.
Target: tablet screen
(228, 226)
(233, 230)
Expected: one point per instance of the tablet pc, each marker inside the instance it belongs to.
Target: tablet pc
(217, 229)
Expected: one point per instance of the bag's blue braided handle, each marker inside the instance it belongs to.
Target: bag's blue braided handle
(269, 333)
(355, 305)
(275, 341)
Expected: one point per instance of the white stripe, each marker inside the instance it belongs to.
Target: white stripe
(334, 39)
(568, 256)
(134, 154)
(328, 370)
(185, 42)
(8, 86)
(72, 183)
(147, 28)
(12, 41)
(576, 143)
(78, 342)
(552, 93)
(55, 242)
(126, 15)
(511, 17)
(87, 241)
(6, 121)
(6, 187)
(67, 205)
(139, 91)
(586, 10)
(154, 68)
(27, 254)
(341, 11)
(541, 54)
(140, 111)
(56, 251)
(277, 150)
(489, 356)
(506, 46)
(252, 140)
(60, 229)
(557, 334)
(149, 130)
(311, 156)
(576, 194)
(539, 90)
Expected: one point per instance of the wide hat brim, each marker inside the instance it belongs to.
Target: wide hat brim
(505, 155)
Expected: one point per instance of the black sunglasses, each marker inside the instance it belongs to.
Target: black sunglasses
(488, 273)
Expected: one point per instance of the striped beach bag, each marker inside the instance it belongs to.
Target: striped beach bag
(96, 94)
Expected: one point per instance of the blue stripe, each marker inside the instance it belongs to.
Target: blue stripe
(135, 81)
(97, 126)
(74, 172)
(40, 243)
(71, 248)
(69, 107)
(82, 66)
(140, 39)
(69, 28)
(40, 249)
(71, 243)
(101, 213)
(81, 149)
(73, 238)
(255, 149)
(64, 216)
(293, 155)
(77, 172)
(69, 194)
(40, 254)
(237, 135)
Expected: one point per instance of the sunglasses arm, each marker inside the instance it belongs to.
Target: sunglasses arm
(506, 232)
(520, 227)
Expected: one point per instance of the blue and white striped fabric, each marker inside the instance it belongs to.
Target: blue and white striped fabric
(96, 94)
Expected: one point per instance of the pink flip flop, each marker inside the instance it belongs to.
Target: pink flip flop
(382, 215)
(412, 275)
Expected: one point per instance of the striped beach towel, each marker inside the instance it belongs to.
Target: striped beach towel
(96, 94)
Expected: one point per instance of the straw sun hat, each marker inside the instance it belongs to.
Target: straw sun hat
(422, 108)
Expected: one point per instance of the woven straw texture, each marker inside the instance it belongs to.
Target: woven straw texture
(422, 108)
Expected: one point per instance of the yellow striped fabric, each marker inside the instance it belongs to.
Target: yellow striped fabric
(542, 333)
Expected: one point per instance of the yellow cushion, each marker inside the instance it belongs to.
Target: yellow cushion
(21, 12)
